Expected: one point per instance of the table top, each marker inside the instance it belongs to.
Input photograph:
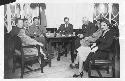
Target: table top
(61, 37)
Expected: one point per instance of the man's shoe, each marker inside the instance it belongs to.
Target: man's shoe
(77, 75)
(58, 59)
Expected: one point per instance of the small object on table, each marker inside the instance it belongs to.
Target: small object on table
(54, 34)
(63, 35)
(74, 33)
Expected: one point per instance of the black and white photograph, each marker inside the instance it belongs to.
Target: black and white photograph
(61, 40)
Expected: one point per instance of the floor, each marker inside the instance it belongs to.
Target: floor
(59, 69)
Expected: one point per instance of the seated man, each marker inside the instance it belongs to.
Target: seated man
(66, 28)
(36, 31)
(93, 32)
(103, 44)
(90, 39)
(96, 34)
(88, 28)
(26, 40)
(26, 26)
(101, 48)
(83, 52)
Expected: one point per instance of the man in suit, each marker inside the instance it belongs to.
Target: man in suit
(15, 29)
(26, 26)
(65, 29)
(88, 30)
(10, 44)
(103, 45)
(37, 31)
(88, 27)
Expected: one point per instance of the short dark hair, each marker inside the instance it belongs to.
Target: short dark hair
(35, 18)
(106, 21)
(66, 18)
(17, 19)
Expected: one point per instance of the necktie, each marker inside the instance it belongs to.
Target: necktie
(66, 25)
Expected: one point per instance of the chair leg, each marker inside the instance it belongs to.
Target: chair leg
(50, 63)
(99, 73)
(89, 70)
(107, 69)
(113, 70)
(42, 64)
(14, 65)
(22, 69)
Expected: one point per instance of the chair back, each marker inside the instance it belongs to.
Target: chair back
(17, 42)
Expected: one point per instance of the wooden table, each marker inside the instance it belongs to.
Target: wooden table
(70, 40)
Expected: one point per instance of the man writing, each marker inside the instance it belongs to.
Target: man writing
(66, 28)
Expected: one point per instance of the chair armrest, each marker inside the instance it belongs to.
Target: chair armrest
(101, 61)
(29, 46)
(32, 46)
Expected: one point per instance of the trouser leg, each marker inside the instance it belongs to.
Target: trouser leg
(86, 65)
(76, 60)
(80, 64)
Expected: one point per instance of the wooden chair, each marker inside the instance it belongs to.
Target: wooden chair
(8, 55)
(99, 64)
(103, 64)
(26, 60)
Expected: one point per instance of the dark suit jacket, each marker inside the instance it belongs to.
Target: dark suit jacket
(104, 42)
(65, 30)
(115, 30)
(14, 40)
(89, 29)
(14, 32)
(37, 29)
(104, 46)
